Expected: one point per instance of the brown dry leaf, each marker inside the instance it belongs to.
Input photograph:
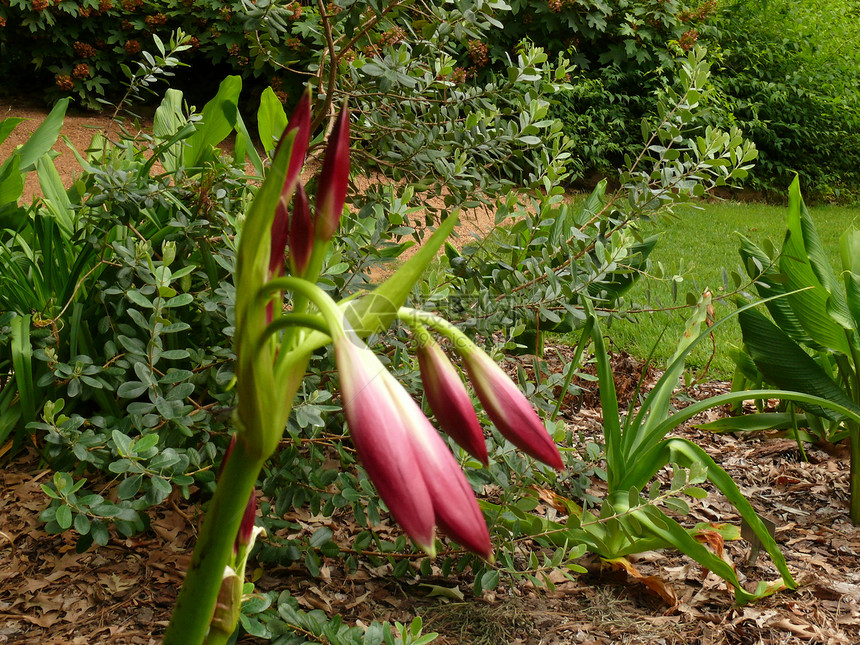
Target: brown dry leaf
(713, 540)
(653, 583)
(801, 629)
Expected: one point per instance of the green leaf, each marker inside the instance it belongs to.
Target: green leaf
(131, 389)
(376, 311)
(490, 580)
(168, 120)
(321, 536)
(770, 282)
(784, 363)
(64, 516)
(218, 121)
(811, 304)
(100, 533)
(82, 524)
(8, 125)
(849, 249)
(271, 119)
(123, 443)
(129, 487)
(696, 492)
(755, 422)
(44, 138)
(22, 363)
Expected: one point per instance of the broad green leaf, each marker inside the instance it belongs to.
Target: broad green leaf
(271, 120)
(784, 363)
(849, 249)
(7, 126)
(169, 120)
(44, 138)
(11, 185)
(248, 151)
(810, 302)
(64, 516)
(769, 282)
(218, 121)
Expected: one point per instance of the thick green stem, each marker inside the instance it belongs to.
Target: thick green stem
(854, 482)
(196, 602)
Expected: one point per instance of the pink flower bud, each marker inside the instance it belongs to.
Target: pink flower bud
(450, 402)
(509, 409)
(415, 473)
(333, 181)
(454, 505)
(246, 528)
(382, 441)
(280, 232)
(300, 123)
(301, 233)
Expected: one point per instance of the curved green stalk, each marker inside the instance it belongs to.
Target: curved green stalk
(196, 602)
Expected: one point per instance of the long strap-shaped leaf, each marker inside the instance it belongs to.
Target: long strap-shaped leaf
(849, 249)
(608, 405)
(685, 453)
(655, 407)
(716, 401)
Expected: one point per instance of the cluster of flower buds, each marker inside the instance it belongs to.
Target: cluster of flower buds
(415, 473)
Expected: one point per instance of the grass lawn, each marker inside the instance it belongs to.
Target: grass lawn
(697, 246)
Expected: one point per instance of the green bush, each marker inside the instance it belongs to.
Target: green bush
(82, 47)
(790, 76)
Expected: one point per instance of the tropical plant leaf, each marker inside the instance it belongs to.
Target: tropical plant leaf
(769, 282)
(43, 139)
(685, 453)
(7, 126)
(849, 249)
(271, 120)
(218, 121)
(784, 363)
(809, 299)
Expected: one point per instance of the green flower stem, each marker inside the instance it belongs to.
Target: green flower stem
(196, 602)
(416, 320)
(293, 320)
(329, 309)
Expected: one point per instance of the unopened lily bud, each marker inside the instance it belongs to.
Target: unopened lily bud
(414, 472)
(450, 401)
(280, 233)
(509, 409)
(333, 181)
(382, 441)
(300, 123)
(301, 233)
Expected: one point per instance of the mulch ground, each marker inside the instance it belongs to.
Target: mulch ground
(123, 593)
